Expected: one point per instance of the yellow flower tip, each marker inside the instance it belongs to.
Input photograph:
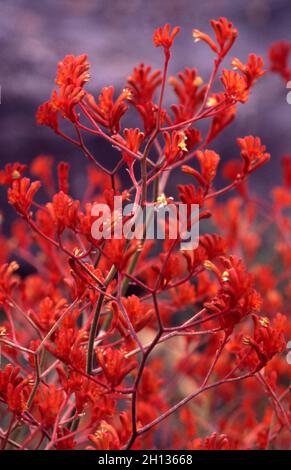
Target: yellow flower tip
(209, 265)
(16, 175)
(78, 252)
(196, 34)
(246, 340)
(198, 81)
(182, 145)
(162, 200)
(211, 102)
(264, 322)
(13, 266)
(3, 331)
(127, 94)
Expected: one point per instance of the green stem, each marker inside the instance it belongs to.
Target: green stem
(94, 325)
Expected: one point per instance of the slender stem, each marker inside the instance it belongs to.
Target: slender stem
(94, 324)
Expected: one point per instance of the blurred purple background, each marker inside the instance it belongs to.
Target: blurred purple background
(117, 35)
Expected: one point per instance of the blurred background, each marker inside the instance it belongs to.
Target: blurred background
(117, 35)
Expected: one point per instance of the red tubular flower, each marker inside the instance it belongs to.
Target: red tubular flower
(175, 146)
(71, 77)
(133, 139)
(265, 343)
(14, 390)
(11, 172)
(66, 101)
(64, 211)
(48, 402)
(41, 167)
(139, 314)
(213, 244)
(63, 177)
(279, 54)
(225, 35)
(143, 83)
(235, 86)
(253, 153)
(236, 297)
(49, 312)
(8, 280)
(214, 442)
(107, 112)
(221, 119)
(164, 37)
(208, 160)
(105, 437)
(190, 195)
(187, 87)
(114, 365)
(47, 115)
(252, 70)
(21, 195)
(286, 164)
(73, 70)
(118, 254)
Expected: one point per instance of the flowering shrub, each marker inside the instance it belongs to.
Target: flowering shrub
(137, 344)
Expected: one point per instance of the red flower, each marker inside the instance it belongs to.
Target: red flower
(253, 153)
(143, 83)
(265, 343)
(47, 115)
(133, 139)
(187, 87)
(21, 194)
(14, 390)
(164, 37)
(49, 311)
(190, 195)
(286, 164)
(105, 437)
(114, 365)
(71, 77)
(48, 402)
(214, 442)
(139, 314)
(8, 280)
(73, 70)
(222, 118)
(236, 297)
(225, 35)
(175, 146)
(252, 70)
(41, 167)
(64, 211)
(11, 172)
(279, 54)
(66, 101)
(235, 86)
(63, 177)
(107, 112)
(208, 162)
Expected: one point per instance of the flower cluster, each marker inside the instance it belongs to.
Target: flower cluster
(115, 344)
